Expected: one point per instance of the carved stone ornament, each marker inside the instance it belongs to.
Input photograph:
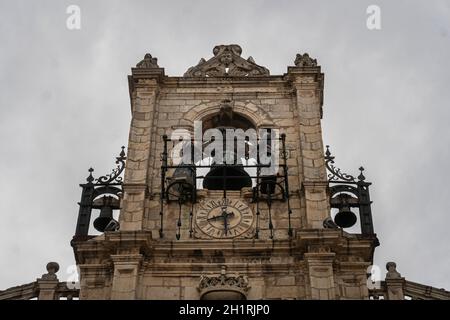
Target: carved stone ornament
(52, 269)
(148, 62)
(304, 60)
(392, 273)
(227, 61)
(223, 286)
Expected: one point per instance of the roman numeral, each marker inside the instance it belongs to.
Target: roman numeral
(244, 225)
(201, 213)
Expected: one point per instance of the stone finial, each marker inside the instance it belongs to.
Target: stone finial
(227, 61)
(392, 273)
(148, 62)
(52, 269)
(304, 60)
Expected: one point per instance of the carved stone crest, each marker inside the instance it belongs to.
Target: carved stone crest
(304, 60)
(227, 61)
(223, 286)
(148, 62)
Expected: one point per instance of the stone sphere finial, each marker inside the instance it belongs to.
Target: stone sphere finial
(52, 267)
(392, 272)
(390, 266)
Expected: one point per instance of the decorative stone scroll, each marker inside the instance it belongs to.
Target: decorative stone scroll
(227, 61)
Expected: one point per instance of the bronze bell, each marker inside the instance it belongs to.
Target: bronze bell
(345, 218)
(236, 178)
(106, 215)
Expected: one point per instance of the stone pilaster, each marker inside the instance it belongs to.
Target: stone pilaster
(307, 81)
(321, 275)
(317, 204)
(144, 88)
(47, 289)
(126, 271)
(352, 280)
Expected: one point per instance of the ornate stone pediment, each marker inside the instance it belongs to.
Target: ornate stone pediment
(227, 61)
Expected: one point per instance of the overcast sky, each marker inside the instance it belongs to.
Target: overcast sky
(64, 106)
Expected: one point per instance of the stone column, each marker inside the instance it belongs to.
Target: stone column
(307, 81)
(321, 278)
(144, 88)
(126, 272)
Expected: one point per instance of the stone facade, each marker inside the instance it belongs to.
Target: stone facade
(291, 248)
(314, 263)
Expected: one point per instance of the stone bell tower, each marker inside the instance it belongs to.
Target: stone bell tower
(206, 228)
(226, 191)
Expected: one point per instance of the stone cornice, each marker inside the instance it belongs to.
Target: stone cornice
(311, 241)
(126, 259)
(133, 188)
(337, 241)
(299, 77)
(140, 74)
(147, 73)
(311, 184)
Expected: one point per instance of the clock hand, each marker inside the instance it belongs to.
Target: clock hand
(230, 214)
(225, 216)
(225, 223)
(222, 215)
(215, 218)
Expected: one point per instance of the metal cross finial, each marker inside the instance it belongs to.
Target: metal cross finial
(90, 178)
(361, 176)
(328, 153)
(122, 153)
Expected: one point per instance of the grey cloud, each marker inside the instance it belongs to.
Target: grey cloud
(64, 107)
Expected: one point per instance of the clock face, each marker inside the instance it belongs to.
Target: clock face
(224, 218)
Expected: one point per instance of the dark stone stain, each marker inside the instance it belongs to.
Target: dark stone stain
(198, 253)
